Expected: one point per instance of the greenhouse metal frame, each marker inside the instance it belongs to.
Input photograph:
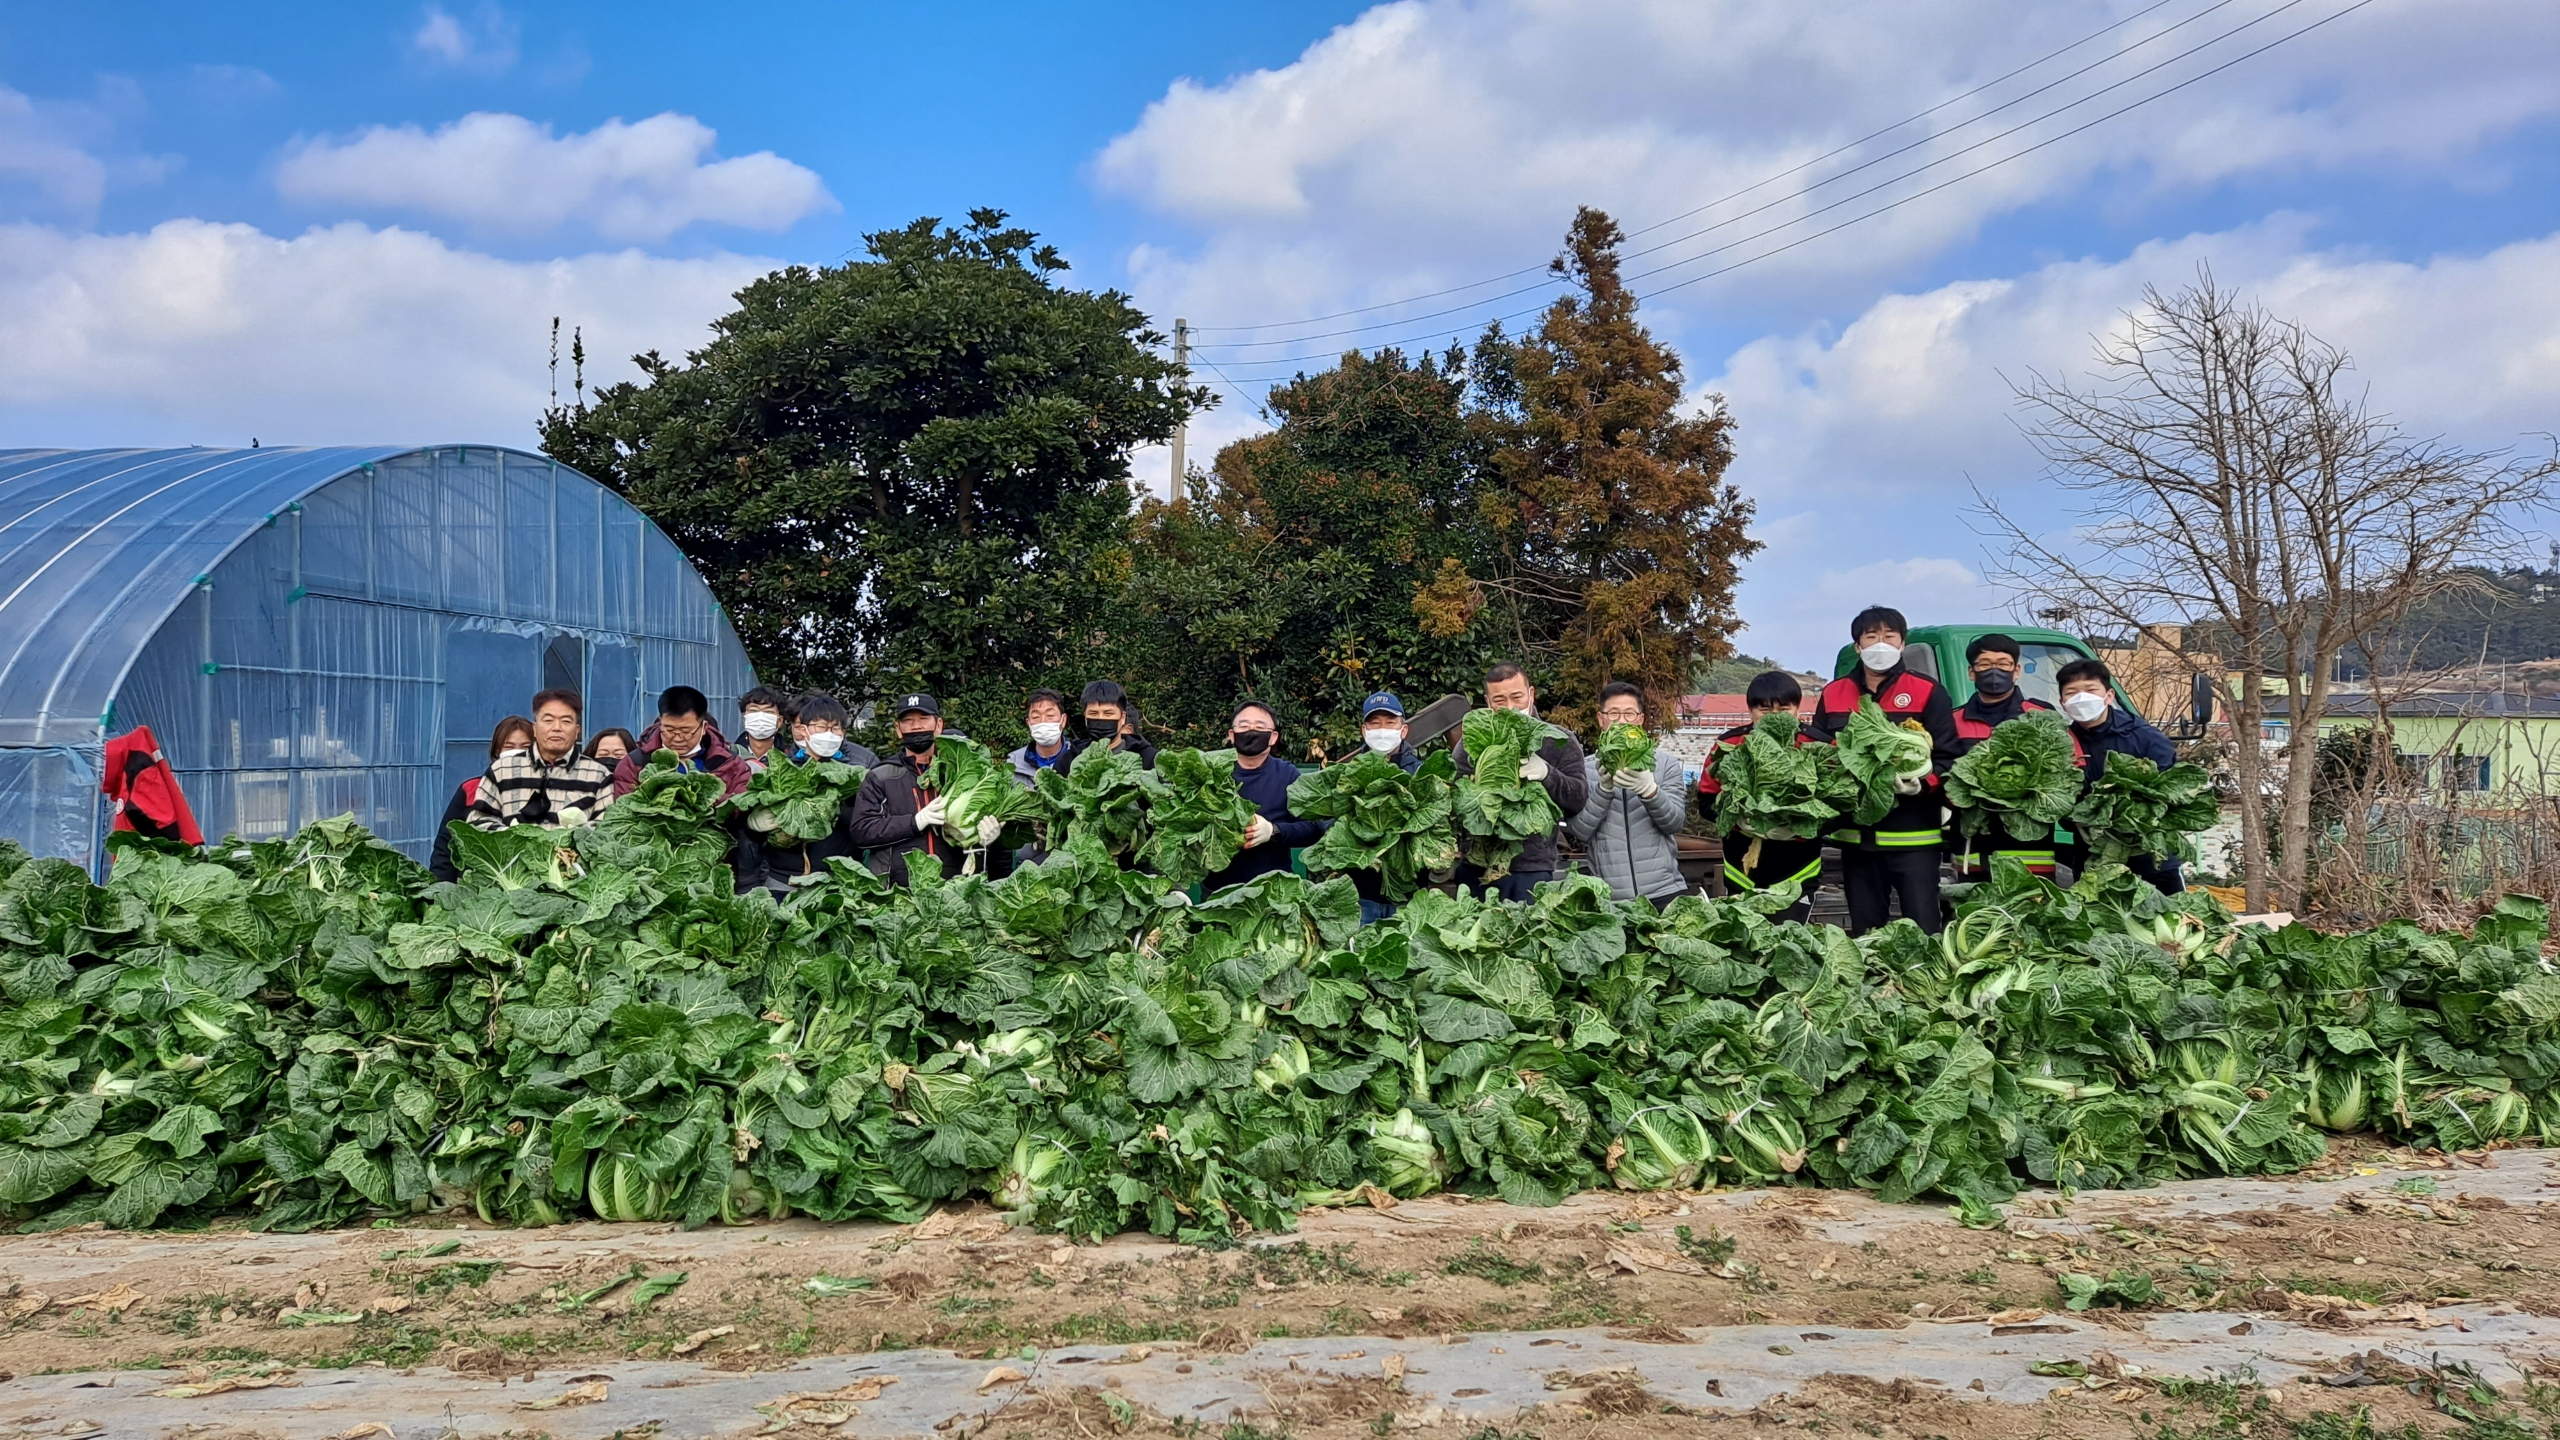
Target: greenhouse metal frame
(325, 631)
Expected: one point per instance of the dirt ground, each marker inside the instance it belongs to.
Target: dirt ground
(2372, 1235)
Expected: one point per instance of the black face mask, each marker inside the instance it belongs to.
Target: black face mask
(1995, 684)
(1101, 729)
(919, 742)
(1252, 742)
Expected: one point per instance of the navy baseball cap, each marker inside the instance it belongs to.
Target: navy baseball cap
(1383, 702)
(919, 704)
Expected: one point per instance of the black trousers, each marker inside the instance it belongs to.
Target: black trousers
(2167, 875)
(1778, 861)
(1872, 879)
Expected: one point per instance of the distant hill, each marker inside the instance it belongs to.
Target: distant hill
(2516, 621)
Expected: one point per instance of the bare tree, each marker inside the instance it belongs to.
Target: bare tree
(2240, 506)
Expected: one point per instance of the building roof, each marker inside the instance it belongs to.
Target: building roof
(98, 547)
(1720, 709)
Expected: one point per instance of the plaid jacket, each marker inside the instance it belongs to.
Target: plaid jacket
(521, 789)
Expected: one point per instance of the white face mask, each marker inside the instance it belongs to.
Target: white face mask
(762, 723)
(1384, 742)
(1046, 732)
(1880, 656)
(825, 743)
(2084, 707)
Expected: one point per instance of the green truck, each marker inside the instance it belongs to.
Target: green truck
(1937, 651)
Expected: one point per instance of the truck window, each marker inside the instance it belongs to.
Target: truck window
(2038, 666)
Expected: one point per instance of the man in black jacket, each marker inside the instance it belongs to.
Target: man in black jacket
(1105, 706)
(894, 816)
(2101, 727)
(1557, 765)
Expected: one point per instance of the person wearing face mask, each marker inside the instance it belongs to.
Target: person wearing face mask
(1105, 706)
(513, 736)
(894, 815)
(684, 726)
(1382, 732)
(1754, 862)
(1557, 765)
(1264, 780)
(758, 859)
(1993, 659)
(1045, 717)
(1630, 826)
(759, 726)
(1897, 857)
(2102, 728)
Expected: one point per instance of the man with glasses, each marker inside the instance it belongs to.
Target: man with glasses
(684, 726)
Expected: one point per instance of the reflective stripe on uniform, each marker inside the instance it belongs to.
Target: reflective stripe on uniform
(1905, 839)
(1810, 872)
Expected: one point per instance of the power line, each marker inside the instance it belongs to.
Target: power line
(1745, 190)
(1768, 205)
(1917, 195)
(2039, 145)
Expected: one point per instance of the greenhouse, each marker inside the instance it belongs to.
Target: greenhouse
(317, 632)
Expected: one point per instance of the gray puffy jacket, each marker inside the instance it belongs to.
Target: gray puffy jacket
(1634, 841)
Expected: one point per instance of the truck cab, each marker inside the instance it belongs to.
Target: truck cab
(1937, 651)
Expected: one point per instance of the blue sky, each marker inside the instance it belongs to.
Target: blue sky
(353, 223)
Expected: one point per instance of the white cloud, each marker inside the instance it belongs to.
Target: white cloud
(500, 172)
(1432, 141)
(1867, 439)
(41, 152)
(485, 43)
(203, 332)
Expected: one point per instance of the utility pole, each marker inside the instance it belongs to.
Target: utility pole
(1181, 362)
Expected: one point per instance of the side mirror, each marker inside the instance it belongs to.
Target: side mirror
(2200, 700)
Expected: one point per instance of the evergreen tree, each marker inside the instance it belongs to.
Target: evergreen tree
(1620, 539)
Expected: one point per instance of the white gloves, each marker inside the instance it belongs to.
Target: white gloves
(988, 830)
(933, 813)
(1643, 782)
(1534, 768)
(1257, 832)
(1907, 784)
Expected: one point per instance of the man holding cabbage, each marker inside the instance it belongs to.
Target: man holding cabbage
(1638, 801)
(1997, 700)
(894, 815)
(1894, 856)
(1555, 764)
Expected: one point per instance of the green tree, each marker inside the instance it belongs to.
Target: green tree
(908, 470)
(1316, 564)
(1620, 539)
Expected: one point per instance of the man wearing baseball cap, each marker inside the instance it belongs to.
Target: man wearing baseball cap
(894, 816)
(1382, 732)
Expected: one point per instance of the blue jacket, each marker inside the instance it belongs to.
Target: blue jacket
(1268, 790)
(2120, 730)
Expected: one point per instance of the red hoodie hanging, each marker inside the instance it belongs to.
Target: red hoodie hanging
(145, 790)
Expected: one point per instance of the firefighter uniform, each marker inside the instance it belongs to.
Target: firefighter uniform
(1975, 720)
(1897, 857)
(1762, 863)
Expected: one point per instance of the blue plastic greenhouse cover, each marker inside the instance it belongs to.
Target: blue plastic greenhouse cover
(312, 632)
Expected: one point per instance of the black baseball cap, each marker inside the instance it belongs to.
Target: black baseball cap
(919, 703)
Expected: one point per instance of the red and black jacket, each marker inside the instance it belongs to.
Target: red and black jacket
(1775, 861)
(1905, 698)
(1975, 721)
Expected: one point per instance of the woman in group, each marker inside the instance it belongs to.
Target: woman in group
(610, 746)
(513, 733)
